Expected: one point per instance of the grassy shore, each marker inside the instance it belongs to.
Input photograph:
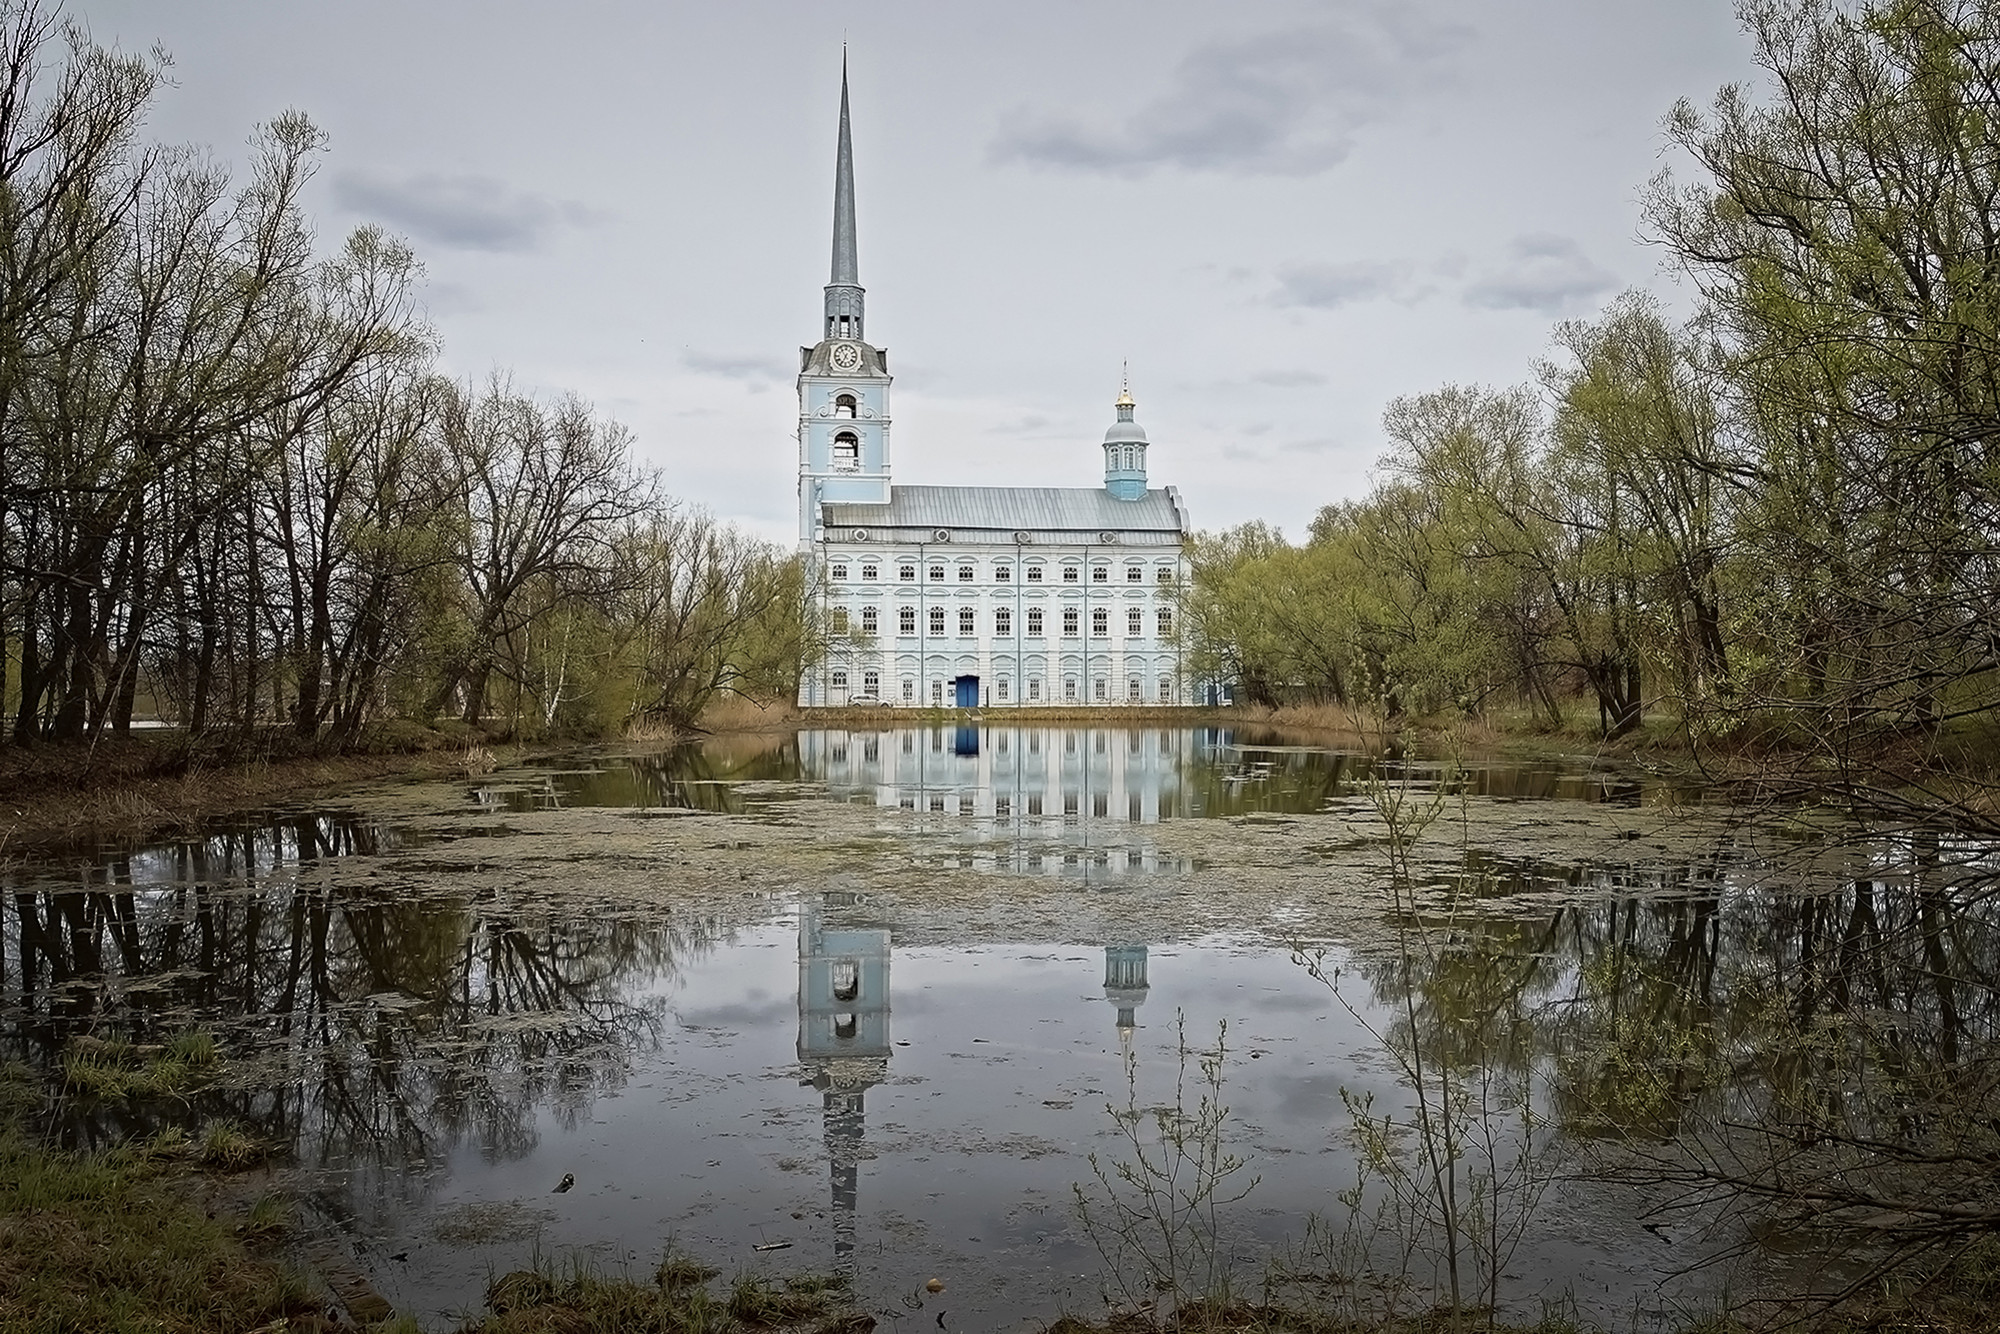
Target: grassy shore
(131, 787)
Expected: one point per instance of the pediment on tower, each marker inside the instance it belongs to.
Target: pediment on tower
(844, 357)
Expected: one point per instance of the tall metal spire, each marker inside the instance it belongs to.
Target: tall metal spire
(843, 289)
(845, 270)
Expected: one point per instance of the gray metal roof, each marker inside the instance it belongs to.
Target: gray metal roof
(1050, 513)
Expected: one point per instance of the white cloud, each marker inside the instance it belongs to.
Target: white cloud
(1542, 272)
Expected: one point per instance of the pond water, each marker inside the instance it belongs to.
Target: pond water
(870, 1000)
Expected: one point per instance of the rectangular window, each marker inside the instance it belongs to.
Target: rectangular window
(937, 574)
(1003, 622)
(1034, 622)
(1000, 690)
(1070, 621)
(1100, 574)
(839, 573)
(1135, 574)
(965, 623)
(1070, 575)
(1002, 573)
(1102, 689)
(1134, 693)
(1100, 624)
(906, 620)
(907, 573)
(965, 573)
(909, 697)
(1166, 620)
(869, 623)
(1035, 690)
(1069, 688)
(937, 702)
(1166, 574)
(840, 620)
(1166, 690)
(1135, 622)
(869, 574)
(937, 620)
(839, 679)
(871, 684)
(1034, 574)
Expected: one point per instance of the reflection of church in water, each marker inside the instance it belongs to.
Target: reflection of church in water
(843, 1047)
(844, 1038)
(1017, 790)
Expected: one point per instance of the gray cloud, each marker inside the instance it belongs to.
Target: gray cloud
(1284, 103)
(1289, 379)
(461, 212)
(1330, 286)
(753, 369)
(452, 299)
(1032, 424)
(1542, 272)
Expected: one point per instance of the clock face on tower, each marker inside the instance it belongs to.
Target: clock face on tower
(846, 356)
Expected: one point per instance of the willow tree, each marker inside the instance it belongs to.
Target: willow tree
(1847, 241)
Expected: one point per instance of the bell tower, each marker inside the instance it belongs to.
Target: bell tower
(843, 379)
(1125, 451)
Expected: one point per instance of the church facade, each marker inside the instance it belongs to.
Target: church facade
(972, 596)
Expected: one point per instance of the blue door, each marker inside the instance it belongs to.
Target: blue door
(968, 692)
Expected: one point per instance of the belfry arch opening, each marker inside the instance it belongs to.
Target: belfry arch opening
(844, 407)
(847, 451)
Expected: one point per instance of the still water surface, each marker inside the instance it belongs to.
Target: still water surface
(835, 1069)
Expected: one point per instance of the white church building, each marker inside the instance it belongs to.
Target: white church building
(973, 596)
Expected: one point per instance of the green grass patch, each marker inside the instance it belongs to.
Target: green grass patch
(575, 1298)
(112, 1068)
(110, 1241)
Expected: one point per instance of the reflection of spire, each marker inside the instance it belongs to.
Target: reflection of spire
(843, 1048)
(1125, 984)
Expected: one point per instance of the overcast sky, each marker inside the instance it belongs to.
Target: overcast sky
(1282, 214)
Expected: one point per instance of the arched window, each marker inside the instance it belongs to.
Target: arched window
(847, 451)
(843, 407)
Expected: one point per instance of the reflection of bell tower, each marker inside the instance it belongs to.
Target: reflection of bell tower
(1125, 984)
(843, 1047)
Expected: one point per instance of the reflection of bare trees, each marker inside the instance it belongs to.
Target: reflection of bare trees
(1825, 1062)
(699, 777)
(363, 1028)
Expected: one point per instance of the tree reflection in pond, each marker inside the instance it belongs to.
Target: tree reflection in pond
(367, 1028)
(1823, 1066)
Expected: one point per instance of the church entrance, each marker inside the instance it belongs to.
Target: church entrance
(967, 691)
